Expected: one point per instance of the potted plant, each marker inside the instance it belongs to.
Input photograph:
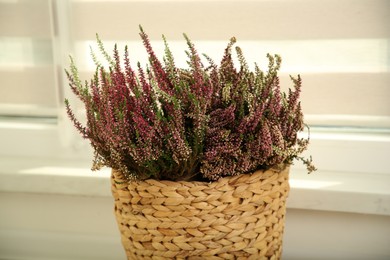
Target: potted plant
(200, 156)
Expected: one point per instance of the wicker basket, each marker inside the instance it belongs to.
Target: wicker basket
(239, 217)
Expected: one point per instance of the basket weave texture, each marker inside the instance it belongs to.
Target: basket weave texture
(238, 217)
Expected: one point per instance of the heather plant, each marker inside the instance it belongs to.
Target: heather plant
(201, 122)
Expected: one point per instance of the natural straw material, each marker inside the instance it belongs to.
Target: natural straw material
(238, 217)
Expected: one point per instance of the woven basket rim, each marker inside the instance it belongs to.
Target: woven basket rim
(227, 179)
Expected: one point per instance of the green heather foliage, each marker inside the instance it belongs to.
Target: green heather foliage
(199, 123)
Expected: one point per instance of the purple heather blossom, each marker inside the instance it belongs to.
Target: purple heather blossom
(205, 122)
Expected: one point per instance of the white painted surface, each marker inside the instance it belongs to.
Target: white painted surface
(41, 226)
(325, 235)
(53, 210)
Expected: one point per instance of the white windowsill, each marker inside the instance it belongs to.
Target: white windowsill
(353, 173)
(330, 191)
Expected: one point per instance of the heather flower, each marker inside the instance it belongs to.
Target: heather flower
(201, 122)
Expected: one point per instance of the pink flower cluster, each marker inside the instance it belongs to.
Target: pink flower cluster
(198, 123)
